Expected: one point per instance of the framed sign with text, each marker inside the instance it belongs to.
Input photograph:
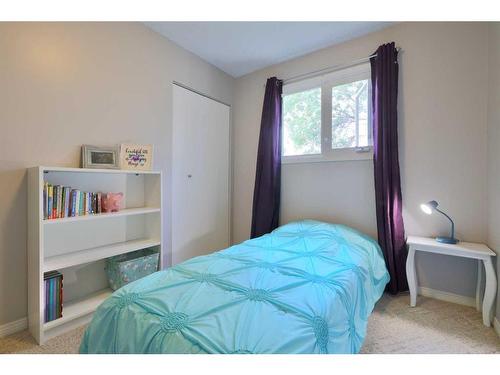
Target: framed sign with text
(136, 157)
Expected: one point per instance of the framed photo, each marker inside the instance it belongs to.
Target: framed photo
(136, 157)
(100, 157)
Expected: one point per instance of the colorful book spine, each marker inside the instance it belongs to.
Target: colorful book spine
(53, 282)
(67, 190)
(87, 203)
(59, 201)
(72, 203)
(84, 211)
(51, 297)
(61, 209)
(77, 203)
(46, 309)
(81, 207)
(56, 298)
(45, 191)
(99, 203)
(61, 295)
(54, 202)
(63, 201)
(50, 202)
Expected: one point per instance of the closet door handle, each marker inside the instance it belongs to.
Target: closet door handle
(189, 176)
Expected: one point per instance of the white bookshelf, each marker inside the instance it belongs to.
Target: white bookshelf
(78, 246)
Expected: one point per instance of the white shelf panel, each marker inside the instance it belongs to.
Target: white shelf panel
(78, 308)
(107, 215)
(91, 170)
(90, 255)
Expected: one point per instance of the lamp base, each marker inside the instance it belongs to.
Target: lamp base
(449, 240)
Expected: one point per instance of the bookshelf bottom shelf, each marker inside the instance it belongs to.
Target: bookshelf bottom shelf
(78, 308)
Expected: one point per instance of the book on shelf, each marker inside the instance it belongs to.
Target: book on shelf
(81, 209)
(63, 201)
(53, 287)
(45, 199)
(67, 192)
(48, 209)
(58, 212)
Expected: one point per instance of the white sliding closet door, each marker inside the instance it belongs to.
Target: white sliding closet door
(200, 191)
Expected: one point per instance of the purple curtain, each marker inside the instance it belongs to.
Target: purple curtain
(390, 226)
(266, 195)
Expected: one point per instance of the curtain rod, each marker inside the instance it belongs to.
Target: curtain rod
(329, 69)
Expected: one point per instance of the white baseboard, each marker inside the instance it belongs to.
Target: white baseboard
(496, 325)
(13, 327)
(448, 297)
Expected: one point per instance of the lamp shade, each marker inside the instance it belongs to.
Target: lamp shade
(429, 207)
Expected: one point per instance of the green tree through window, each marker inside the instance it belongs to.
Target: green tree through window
(350, 115)
(302, 123)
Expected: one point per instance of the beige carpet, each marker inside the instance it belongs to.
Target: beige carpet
(431, 327)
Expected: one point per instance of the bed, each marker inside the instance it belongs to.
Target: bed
(307, 287)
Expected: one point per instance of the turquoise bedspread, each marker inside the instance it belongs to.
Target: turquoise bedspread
(307, 287)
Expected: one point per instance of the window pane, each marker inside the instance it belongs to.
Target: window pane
(350, 126)
(302, 123)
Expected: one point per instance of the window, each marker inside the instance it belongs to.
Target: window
(302, 123)
(328, 118)
(350, 115)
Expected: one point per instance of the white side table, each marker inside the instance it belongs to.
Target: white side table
(481, 252)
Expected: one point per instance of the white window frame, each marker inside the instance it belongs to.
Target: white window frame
(327, 82)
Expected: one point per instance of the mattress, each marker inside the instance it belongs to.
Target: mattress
(307, 287)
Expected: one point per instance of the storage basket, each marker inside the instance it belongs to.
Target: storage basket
(125, 268)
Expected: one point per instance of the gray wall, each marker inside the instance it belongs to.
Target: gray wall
(494, 147)
(442, 122)
(67, 84)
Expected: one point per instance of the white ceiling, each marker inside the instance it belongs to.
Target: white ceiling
(239, 48)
